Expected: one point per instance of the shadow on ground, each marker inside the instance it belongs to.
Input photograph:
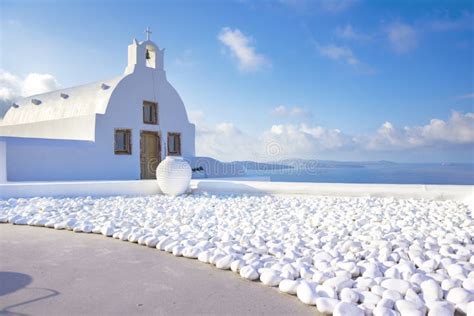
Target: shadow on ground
(11, 282)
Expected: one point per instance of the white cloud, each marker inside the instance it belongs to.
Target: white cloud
(227, 142)
(457, 130)
(338, 53)
(240, 46)
(468, 96)
(223, 141)
(344, 54)
(348, 32)
(304, 141)
(10, 86)
(13, 87)
(402, 37)
(196, 117)
(35, 83)
(282, 110)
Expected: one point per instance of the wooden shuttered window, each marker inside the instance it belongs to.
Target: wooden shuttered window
(123, 141)
(174, 144)
(150, 112)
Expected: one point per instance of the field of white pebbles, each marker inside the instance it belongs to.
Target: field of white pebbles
(346, 256)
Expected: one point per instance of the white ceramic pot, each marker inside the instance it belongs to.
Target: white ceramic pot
(173, 175)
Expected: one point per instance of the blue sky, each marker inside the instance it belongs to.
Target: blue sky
(328, 79)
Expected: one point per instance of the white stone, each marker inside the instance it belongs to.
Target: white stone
(349, 295)
(325, 291)
(164, 242)
(393, 295)
(326, 305)
(431, 290)
(413, 297)
(347, 309)
(204, 256)
(367, 308)
(287, 275)
(168, 248)
(448, 284)
(455, 270)
(383, 311)
(289, 286)
(224, 262)
(177, 250)
(339, 283)
(141, 240)
(470, 308)
(134, 237)
(407, 308)
(270, 278)
(364, 283)
(320, 277)
(468, 284)
(151, 242)
(249, 273)
(107, 231)
(215, 257)
(386, 303)
(236, 265)
(441, 308)
(398, 285)
(20, 221)
(378, 290)
(459, 295)
(372, 271)
(191, 252)
(369, 297)
(306, 293)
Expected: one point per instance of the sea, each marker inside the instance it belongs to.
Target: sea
(397, 173)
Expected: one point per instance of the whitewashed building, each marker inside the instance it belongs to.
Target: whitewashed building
(116, 129)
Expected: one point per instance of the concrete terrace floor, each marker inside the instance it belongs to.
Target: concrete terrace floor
(46, 271)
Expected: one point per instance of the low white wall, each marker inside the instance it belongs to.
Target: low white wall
(3, 161)
(80, 188)
(463, 193)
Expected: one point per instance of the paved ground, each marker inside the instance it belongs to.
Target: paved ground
(45, 271)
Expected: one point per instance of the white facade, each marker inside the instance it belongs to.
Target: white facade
(3, 161)
(69, 134)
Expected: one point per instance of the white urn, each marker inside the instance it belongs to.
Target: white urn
(173, 175)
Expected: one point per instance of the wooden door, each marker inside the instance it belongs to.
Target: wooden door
(150, 153)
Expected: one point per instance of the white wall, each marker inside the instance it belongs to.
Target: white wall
(72, 189)
(3, 161)
(462, 193)
(58, 160)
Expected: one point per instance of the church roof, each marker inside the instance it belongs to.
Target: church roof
(61, 114)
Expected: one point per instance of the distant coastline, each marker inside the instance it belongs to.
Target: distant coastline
(302, 170)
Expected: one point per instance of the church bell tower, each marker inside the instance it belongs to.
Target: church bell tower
(144, 54)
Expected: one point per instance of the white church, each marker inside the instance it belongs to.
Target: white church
(116, 129)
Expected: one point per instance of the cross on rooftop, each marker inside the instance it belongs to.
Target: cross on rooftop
(148, 32)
